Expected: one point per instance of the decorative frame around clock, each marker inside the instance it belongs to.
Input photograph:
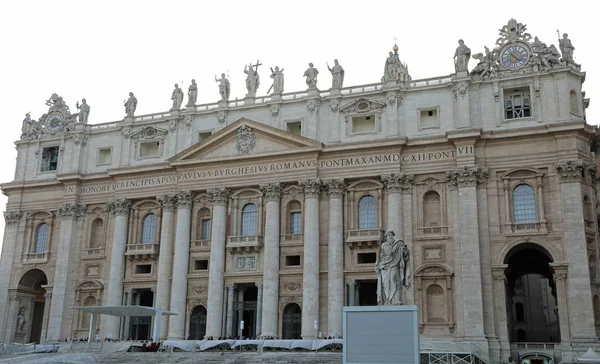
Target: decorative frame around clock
(514, 56)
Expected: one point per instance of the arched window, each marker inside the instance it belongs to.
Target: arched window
(97, 234)
(203, 224)
(367, 212)
(198, 323)
(249, 219)
(574, 102)
(294, 218)
(524, 204)
(41, 238)
(149, 229)
(431, 209)
(292, 322)
(520, 312)
(436, 304)
(89, 301)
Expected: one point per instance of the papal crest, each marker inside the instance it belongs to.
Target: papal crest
(246, 140)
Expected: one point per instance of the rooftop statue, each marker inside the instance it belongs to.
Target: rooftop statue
(84, 111)
(566, 48)
(277, 76)
(338, 74)
(252, 79)
(224, 88)
(311, 76)
(192, 94)
(393, 270)
(461, 57)
(394, 70)
(177, 97)
(487, 64)
(130, 105)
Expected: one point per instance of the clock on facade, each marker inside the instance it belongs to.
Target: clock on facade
(515, 56)
(53, 122)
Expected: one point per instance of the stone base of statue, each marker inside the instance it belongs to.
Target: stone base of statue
(391, 85)
(223, 104)
(335, 92)
(276, 97)
(313, 92)
(381, 334)
(461, 74)
(249, 99)
(174, 112)
(190, 108)
(128, 119)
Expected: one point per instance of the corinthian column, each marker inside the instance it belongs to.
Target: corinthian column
(394, 184)
(62, 285)
(119, 208)
(466, 180)
(214, 319)
(11, 220)
(165, 259)
(270, 305)
(180, 270)
(310, 274)
(335, 273)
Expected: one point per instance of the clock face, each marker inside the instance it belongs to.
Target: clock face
(53, 122)
(514, 57)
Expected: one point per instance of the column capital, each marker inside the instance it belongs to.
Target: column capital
(12, 217)
(71, 210)
(312, 187)
(396, 182)
(351, 282)
(184, 199)
(335, 187)
(571, 171)
(259, 285)
(467, 176)
(560, 276)
(167, 202)
(271, 190)
(230, 286)
(219, 196)
(47, 295)
(119, 206)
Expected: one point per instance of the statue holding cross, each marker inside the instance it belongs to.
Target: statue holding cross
(252, 78)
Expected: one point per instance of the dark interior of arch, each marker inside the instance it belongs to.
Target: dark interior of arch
(528, 258)
(33, 279)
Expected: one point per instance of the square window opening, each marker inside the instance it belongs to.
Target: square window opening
(295, 128)
(49, 159)
(429, 118)
(366, 258)
(292, 260)
(363, 124)
(201, 264)
(517, 103)
(149, 149)
(143, 269)
(104, 156)
(203, 136)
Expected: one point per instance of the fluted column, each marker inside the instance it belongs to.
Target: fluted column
(499, 292)
(394, 184)
(69, 213)
(310, 275)
(214, 321)
(229, 318)
(165, 259)
(335, 263)
(119, 208)
(259, 307)
(466, 180)
(270, 289)
(11, 221)
(180, 269)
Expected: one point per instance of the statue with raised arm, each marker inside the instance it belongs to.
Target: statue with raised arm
(461, 57)
(566, 48)
(84, 111)
(21, 321)
(192, 94)
(393, 270)
(277, 76)
(130, 105)
(252, 79)
(224, 87)
(311, 76)
(338, 74)
(177, 97)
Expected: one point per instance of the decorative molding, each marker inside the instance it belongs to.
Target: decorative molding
(219, 196)
(312, 187)
(168, 202)
(12, 217)
(394, 98)
(351, 282)
(275, 111)
(467, 176)
(119, 206)
(184, 199)
(313, 106)
(292, 286)
(71, 210)
(259, 285)
(396, 182)
(80, 139)
(335, 188)
(199, 289)
(571, 171)
(334, 105)
(459, 89)
(246, 140)
(271, 191)
(560, 276)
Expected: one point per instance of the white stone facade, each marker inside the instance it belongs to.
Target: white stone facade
(440, 159)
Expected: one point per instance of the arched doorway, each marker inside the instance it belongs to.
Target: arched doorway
(292, 322)
(197, 323)
(29, 306)
(531, 295)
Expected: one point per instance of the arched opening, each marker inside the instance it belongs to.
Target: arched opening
(292, 322)
(203, 224)
(31, 302)
(149, 229)
(140, 326)
(531, 295)
(97, 234)
(294, 217)
(85, 320)
(436, 304)
(367, 212)
(431, 209)
(249, 219)
(197, 323)
(41, 238)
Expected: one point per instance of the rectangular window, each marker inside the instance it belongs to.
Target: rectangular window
(428, 118)
(201, 264)
(205, 230)
(366, 258)
(149, 149)
(296, 223)
(104, 156)
(143, 269)
(292, 260)
(49, 159)
(204, 135)
(295, 128)
(517, 103)
(363, 124)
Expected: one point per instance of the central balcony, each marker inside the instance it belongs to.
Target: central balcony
(33, 258)
(93, 253)
(244, 243)
(200, 245)
(364, 238)
(142, 251)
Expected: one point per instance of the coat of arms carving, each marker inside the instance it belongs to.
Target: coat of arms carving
(246, 140)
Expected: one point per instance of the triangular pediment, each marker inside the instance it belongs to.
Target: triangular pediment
(246, 139)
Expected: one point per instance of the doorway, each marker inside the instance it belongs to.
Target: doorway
(244, 309)
(140, 327)
(367, 292)
(197, 323)
(292, 322)
(29, 321)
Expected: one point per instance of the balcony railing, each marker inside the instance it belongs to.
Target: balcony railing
(537, 346)
(364, 238)
(241, 243)
(142, 251)
(292, 237)
(433, 230)
(197, 245)
(528, 227)
(90, 253)
(30, 258)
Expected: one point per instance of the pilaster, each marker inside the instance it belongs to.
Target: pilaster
(165, 259)
(499, 300)
(335, 276)
(11, 224)
(229, 318)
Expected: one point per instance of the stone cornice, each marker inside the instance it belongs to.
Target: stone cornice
(12, 217)
(467, 176)
(271, 191)
(219, 196)
(119, 206)
(168, 202)
(312, 187)
(185, 199)
(396, 182)
(71, 210)
(335, 188)
(571, 171)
